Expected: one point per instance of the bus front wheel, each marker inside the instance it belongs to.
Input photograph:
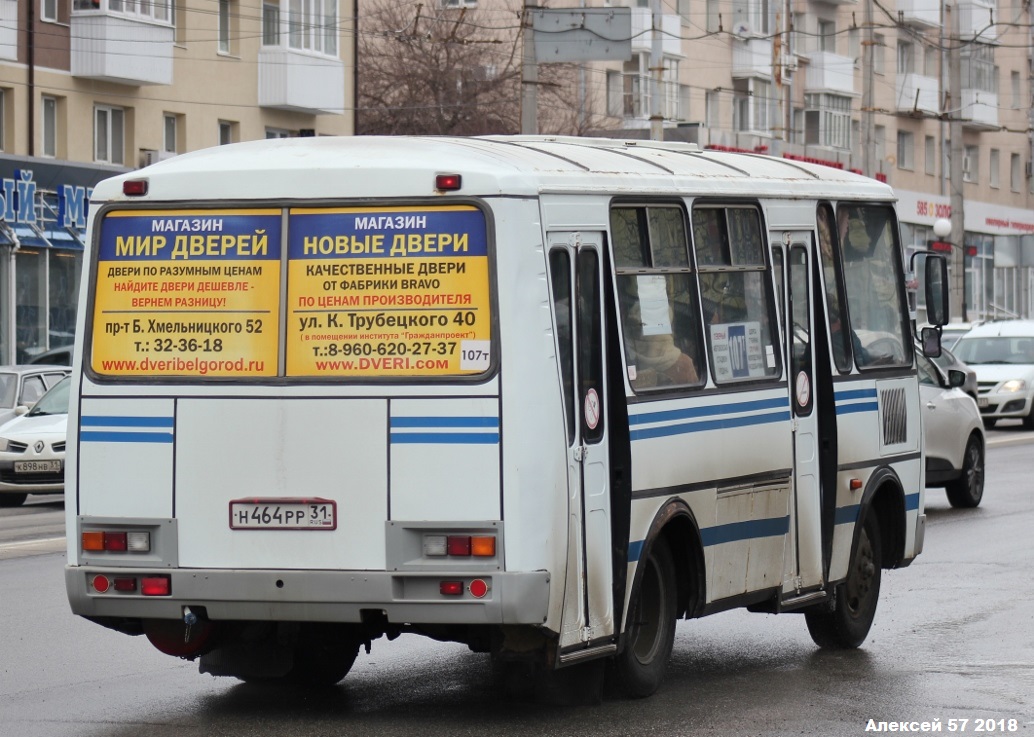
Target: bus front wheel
(650, 633)
(847, 624)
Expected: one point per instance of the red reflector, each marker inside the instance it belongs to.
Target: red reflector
(125, 584)
(448, 182)
(478, 588)
(101, 584)
(856, 484)
(459, 545)
(134, 187)
(451, 588)
(115, 541)
(155, 586)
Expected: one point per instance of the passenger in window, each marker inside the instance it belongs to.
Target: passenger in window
(654, 358)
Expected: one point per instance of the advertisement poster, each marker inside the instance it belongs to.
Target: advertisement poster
(737, 351)
(187, 293)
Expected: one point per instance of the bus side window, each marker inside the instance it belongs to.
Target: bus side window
(560, 277)
(735, 292)
(839, 337)
(656, 297)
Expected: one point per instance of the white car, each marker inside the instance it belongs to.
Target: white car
(32, 448)
(1002, 354)
(953, 434)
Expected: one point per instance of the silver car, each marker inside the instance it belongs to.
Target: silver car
(22, 386)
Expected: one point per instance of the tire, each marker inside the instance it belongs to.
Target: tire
(323, 656)
(847, 624)
(989, 423)
(968, 489)
(1028, 421)
(12, 500)
(650, 633)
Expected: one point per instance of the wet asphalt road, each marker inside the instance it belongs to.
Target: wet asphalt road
(953, 639)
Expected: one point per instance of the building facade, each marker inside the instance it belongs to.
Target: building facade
(860, 85)
(90, 88)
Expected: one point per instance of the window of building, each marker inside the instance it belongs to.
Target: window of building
(225, 22)
(992, 168)
(931, 61)
(879, 144)
(734, 292)
(271, 23)
(906, 150)
(755, 106)
(930, 154)
(827, 120)
(878, 47)
(158, 10)
(978, 67)
(312, 25)
(1014, 84)
(170, 133)
(827, 36)
(657, 297)
(712, 107)
(278, 133)
(1014, 172)
(854, 45)
(714, 10)
(49, 105)
(906, 57)
(109, 134)
(635, 88)
(227, 132)
(971, 164)
(48, 10)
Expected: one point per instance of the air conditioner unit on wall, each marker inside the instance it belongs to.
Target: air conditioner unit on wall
(150, 156)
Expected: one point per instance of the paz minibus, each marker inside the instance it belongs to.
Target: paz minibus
(542, 396)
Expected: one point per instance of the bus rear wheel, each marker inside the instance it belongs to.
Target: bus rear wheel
(847, 624)
(650, 633)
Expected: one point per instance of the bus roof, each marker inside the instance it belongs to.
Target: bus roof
(406, 166)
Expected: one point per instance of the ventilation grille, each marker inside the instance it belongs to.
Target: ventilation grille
(892, 411)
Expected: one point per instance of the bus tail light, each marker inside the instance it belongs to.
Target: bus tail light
(116, 541)
(451, 588)
(156, 586)
(482, 546)
(459, 546)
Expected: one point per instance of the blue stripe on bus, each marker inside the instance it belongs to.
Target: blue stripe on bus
(850, 409)
(732, 532)
(445, 438)
(445, 422)
(855, 394)
(721, 409)
(728, 422)
(100, 421)
(911, 501)
(849, 514)
(93, 436)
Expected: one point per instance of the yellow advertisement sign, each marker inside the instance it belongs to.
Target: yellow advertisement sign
(188, 293)
(388, 292)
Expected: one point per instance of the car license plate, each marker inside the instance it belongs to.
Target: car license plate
(37, 466)
(981, 401)
(283, 514)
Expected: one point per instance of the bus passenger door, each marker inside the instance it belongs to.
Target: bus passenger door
(589, 607)
(801, 349)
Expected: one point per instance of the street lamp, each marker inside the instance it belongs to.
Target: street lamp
(942, 229)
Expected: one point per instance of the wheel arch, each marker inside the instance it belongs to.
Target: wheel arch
(676, 525)
(885, 497)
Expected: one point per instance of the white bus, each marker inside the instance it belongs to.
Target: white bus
(542, 396)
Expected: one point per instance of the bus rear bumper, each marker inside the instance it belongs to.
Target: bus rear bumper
(310, 596)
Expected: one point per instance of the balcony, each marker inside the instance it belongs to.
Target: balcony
(300, 82)
(916, 95)
(751, 57)
(920, 13)
(979, 110)
(108, 47)
(828, 72)
(642, 33)
(9, 29)
(975, 20)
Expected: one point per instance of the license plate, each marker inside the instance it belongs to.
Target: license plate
(37, 466)
(981, 401)
(283, 514)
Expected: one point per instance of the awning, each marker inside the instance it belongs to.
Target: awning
(40, 238)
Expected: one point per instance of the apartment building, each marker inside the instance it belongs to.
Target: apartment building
(90, 88)
(861, 85)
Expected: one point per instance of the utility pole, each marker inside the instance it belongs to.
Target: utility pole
(868, 98)
(657, 69)
(529, 74)
(957, 293)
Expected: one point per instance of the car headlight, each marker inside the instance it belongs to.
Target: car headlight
(1014, 385)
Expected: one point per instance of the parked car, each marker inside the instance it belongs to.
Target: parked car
(21, 386)
(32, 448)
(953, 434)
(61, 355)
(953, 332)
(1002, 354)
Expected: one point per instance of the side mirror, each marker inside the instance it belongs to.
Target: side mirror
(956, 378)
(21, 409)
(936, 272)
(931, 340)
